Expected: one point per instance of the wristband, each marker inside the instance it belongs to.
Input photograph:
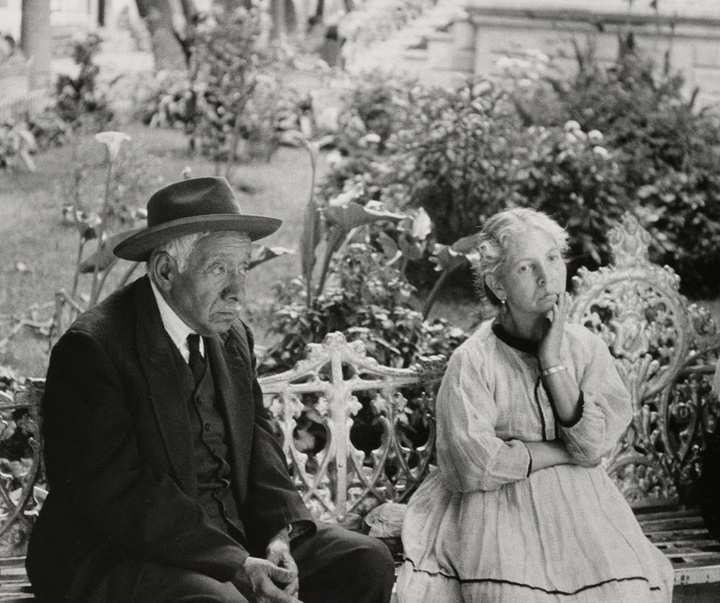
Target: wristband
(553, 369)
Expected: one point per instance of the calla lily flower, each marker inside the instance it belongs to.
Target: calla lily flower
(113, 141)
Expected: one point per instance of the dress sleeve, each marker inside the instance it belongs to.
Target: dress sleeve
(470, 455)
(607, 407)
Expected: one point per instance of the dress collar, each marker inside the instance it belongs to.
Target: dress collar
(519, 343)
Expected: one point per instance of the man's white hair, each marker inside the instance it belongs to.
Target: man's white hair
(181, 248)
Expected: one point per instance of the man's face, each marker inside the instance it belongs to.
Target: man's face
(208, 295)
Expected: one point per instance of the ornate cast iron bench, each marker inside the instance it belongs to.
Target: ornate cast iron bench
(372, 430)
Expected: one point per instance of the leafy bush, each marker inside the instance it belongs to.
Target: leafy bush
(569, 174)
(165, 100)
(666, 153)
(584, 149)
(371, 113)
(17, 145)
(224, 70)
(453, 156)
(366, 298)
(232, 103)
(78, 100)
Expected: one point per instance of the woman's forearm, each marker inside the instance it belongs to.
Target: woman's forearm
(548, 454)
(565, 395)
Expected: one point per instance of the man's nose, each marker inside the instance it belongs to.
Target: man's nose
(235, 286)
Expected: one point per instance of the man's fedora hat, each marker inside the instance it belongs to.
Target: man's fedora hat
(188, 206)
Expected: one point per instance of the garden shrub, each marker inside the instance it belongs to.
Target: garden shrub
(366, 298)
(453, 156)
(224, 69)
(372, 111)
(666, 152)
(232, 103)
(17, 145)
(585, 149)
(570, 174)
(78, 100)
(77, 105)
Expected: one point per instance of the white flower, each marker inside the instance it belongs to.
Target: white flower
(334, 159)
(422, 225)
(112, 140)
(595, 136)
(572, 126)
(601, 151)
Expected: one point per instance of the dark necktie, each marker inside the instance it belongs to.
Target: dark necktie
(196, 360)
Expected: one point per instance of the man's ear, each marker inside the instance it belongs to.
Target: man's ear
(495, 285)
(163, 270)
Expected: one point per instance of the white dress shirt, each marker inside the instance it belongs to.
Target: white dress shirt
(175, 326)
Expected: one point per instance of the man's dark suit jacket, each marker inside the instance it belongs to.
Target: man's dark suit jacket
(119, 457)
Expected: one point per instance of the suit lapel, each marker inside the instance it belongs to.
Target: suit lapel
(231, 371)
(166, 383)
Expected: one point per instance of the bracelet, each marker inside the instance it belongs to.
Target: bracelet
(553, 369)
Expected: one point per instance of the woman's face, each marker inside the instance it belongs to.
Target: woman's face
(533, 276)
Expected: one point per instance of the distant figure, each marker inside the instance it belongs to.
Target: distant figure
(166, 482)
(519, 509)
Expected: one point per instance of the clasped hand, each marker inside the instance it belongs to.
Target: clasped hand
(270, 580)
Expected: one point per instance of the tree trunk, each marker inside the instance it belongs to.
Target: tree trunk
(36, 40)
(166, 47)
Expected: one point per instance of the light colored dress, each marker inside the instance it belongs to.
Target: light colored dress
(482, 528)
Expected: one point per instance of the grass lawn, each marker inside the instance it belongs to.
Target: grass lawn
(38, 250)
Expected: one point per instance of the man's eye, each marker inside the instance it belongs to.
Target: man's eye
(523, 268)
(553, 257)
(217, 269)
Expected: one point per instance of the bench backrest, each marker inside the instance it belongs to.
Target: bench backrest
(347, 429)
(666, 350)
(21, 472)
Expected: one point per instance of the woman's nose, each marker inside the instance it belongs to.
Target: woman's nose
(541, 276)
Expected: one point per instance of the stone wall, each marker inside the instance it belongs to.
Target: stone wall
(493, 29)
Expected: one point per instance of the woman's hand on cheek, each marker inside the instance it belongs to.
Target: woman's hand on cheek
(551, 340)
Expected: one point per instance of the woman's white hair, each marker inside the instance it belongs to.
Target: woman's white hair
(499, 234)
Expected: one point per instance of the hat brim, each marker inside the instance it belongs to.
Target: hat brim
(137, 248)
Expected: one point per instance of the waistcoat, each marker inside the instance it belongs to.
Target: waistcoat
(210, 453)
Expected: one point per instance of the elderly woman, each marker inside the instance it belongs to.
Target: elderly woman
(519, 509)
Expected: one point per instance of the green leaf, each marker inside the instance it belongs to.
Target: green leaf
(261, 254)
(104, 257)
(352, 215)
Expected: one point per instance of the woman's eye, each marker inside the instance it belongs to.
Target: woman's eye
(523, 268)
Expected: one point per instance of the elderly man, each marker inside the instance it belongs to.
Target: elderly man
(166, 482)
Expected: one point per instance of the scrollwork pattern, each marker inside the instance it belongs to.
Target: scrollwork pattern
(664, 349)
(351, 428)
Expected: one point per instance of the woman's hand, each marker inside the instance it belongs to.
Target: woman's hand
(551, 341)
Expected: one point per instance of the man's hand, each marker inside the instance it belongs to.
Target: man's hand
(265, 582)
(278, 552)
